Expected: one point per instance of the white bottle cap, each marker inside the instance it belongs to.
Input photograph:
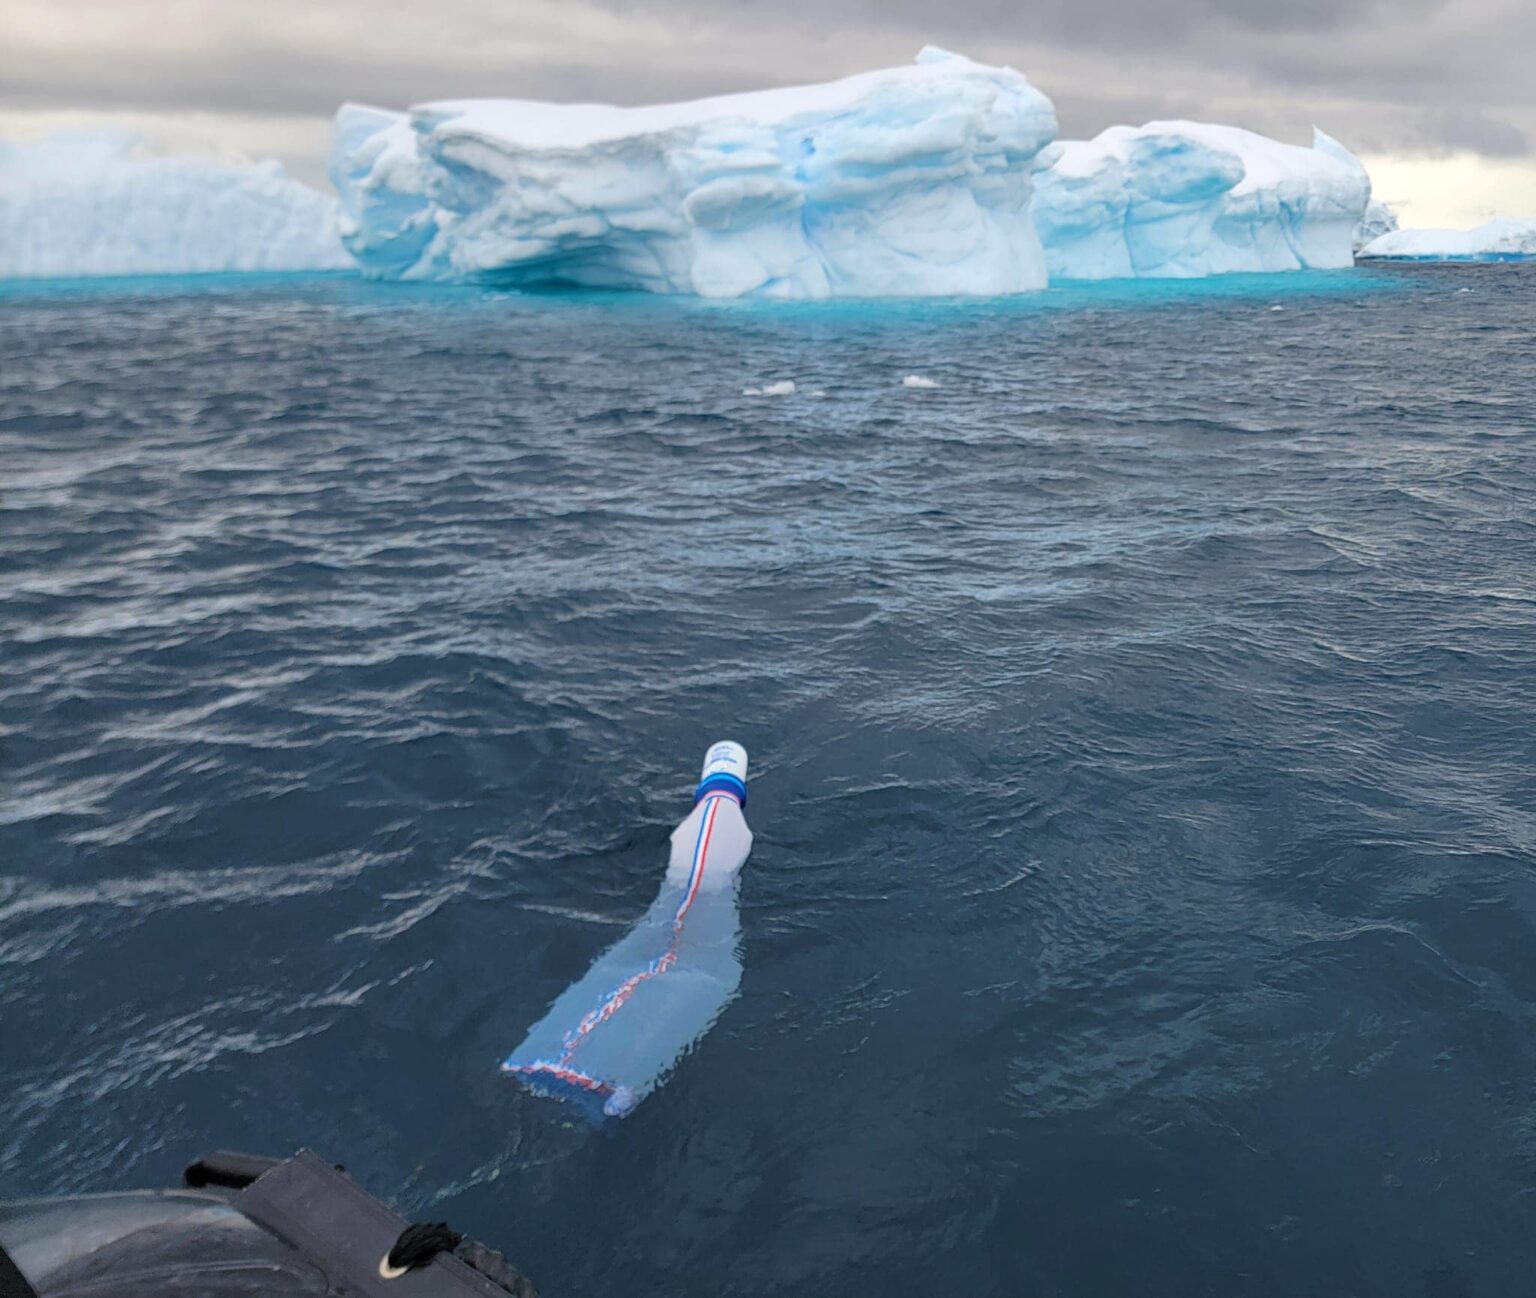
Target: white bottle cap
(725, 758)
(725, 772)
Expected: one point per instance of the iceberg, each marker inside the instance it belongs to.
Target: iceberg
(100, 204)
(910, 181)
(1186, 199)
(1503, 240)
(938, 178)
(1379, 219)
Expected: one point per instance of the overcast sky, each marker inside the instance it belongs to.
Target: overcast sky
(1439, 96)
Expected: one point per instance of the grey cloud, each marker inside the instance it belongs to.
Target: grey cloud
(1427, 75)
(301, 87)
(1459, 129)
(1111, 23)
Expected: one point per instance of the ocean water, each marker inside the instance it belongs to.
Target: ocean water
(1143, 726)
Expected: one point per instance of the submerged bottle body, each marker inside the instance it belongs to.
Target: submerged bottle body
(613, 1035)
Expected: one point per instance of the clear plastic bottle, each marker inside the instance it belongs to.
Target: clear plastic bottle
(611, 1038)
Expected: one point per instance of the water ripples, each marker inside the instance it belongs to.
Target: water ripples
(1142, 726)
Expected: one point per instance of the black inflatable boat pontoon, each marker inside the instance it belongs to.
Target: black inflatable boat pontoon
(243, 1227)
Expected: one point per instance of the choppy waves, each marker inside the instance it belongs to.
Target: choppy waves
(1142, 722)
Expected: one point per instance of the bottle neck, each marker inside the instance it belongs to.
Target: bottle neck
(721, 784)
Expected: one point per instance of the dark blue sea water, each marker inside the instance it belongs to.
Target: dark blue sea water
(1144, 740)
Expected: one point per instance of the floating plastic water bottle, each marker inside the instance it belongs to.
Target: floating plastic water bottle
(612, 1037)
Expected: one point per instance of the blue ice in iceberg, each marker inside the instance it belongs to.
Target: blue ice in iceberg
(102, 204)
(612, 1037)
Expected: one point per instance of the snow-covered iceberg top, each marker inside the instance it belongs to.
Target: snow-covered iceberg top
(1504, 240)
(98, 204)
(1182, 199)
(907, 181)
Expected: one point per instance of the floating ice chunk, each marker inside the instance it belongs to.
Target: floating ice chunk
(101, 204)
(783, 388)
(908, 181)
(1186, 199)
(918, 381)
(1504, 240)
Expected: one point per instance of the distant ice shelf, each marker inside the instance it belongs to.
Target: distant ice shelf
(100, 204)
(1505, 240)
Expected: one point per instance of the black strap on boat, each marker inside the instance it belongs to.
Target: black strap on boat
(325, 1214)
(12, 1283)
